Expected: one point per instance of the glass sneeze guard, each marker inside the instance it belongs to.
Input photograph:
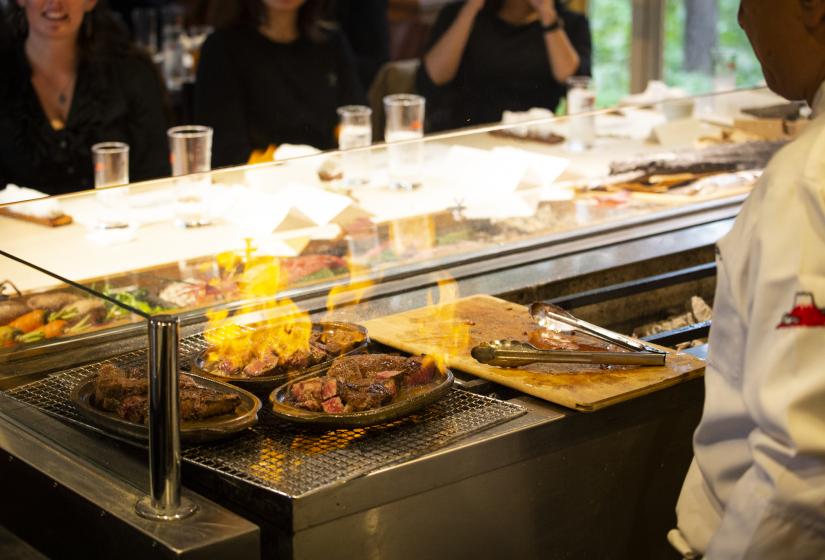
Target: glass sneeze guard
(282, 230)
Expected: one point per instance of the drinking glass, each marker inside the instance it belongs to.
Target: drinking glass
(145, 24)
(111, 168)
(355, 131)
(403, 133)
(190, 152)
(580, 99)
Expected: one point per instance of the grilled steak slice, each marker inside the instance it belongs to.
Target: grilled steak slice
(134, 408)
(201, 403)
(126, 393)
(362, 382)
(333, 406)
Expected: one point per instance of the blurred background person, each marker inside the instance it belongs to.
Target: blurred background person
(365, 25)
(485, 57)
(277, 75)
(72, 79)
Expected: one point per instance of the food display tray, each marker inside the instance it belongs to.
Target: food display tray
(291, 459)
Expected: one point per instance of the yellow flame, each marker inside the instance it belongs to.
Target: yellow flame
(262, 156)
(354, 291)
(286, 330)
(448, 332)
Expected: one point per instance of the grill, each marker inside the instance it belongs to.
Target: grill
(289, 459)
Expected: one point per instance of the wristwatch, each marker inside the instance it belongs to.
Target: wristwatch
(556, 25)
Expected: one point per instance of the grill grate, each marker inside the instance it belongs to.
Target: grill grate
(290, 459)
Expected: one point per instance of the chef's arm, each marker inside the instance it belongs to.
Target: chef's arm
(444, 58)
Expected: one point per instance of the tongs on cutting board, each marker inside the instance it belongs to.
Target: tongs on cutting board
(512, 353)
(548, 316)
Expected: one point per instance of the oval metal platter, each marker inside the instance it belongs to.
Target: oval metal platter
(219, 427)
(427, 394)
(263, 385)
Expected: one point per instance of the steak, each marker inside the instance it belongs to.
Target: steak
(126, 393)
(261, 359)
(361, 382)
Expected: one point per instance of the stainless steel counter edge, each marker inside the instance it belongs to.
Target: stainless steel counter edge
(213, 532)
(479, 453)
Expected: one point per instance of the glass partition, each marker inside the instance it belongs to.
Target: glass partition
(235, 238)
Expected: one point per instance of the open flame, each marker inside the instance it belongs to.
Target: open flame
(453, 332)
(262, 156)
(351, 293)
(286, 328)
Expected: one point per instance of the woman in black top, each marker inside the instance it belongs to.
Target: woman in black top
(487, 57)
(274, 77)
(70, 80)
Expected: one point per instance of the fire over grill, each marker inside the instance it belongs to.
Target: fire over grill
(293, 460)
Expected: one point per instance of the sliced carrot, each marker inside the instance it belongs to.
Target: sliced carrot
(50, 330)
(30, 321)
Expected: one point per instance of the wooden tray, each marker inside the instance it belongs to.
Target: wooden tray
(57, 221)
(430, 330)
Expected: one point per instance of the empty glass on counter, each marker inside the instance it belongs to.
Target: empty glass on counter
(582, 128)
(145, 25)
(190, 152)
(403, 133)
(355, 131)
(111, 168)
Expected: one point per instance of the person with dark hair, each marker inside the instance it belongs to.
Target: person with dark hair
(487, 56)
(71, 79)
(275, 76)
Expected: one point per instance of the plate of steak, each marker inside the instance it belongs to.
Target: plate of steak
(362, 390)
(262, 367)
(117, 401)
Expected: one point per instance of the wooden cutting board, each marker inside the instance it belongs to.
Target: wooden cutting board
(453, 329)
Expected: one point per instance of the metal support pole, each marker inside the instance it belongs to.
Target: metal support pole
(164, 502)
(648, 48)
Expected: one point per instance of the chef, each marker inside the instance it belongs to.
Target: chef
(756, 488)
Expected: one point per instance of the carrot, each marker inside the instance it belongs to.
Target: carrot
(50, 330)
(30, 321)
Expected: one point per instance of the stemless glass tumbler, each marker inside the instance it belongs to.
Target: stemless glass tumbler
(403, 133)
(190, 153)
(111, 168)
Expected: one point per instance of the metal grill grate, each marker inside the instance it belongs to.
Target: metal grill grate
(294, 460)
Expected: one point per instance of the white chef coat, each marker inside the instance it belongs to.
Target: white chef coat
(756, 488)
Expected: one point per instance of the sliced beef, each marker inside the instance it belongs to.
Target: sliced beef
(362, 382)
(126, 393)
(333, 406)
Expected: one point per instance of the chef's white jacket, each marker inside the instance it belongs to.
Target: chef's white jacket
(756, 488)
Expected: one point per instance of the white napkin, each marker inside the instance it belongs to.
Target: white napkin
(47, 208)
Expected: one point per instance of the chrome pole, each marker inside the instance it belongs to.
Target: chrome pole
(164, 501)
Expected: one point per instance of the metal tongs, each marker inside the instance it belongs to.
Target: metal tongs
(512, 353)
(548, 316)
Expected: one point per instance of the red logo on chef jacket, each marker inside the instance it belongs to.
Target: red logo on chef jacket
(805, 313)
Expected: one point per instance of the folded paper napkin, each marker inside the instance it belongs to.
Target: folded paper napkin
(40, 207)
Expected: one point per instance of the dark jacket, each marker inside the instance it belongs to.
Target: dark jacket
(115, 99)
(503, 67)
(254, 92)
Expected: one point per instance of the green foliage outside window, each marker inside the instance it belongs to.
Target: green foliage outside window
(611, 27)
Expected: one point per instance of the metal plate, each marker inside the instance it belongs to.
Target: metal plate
(423, 396)
(264, 385)
(246, 415)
